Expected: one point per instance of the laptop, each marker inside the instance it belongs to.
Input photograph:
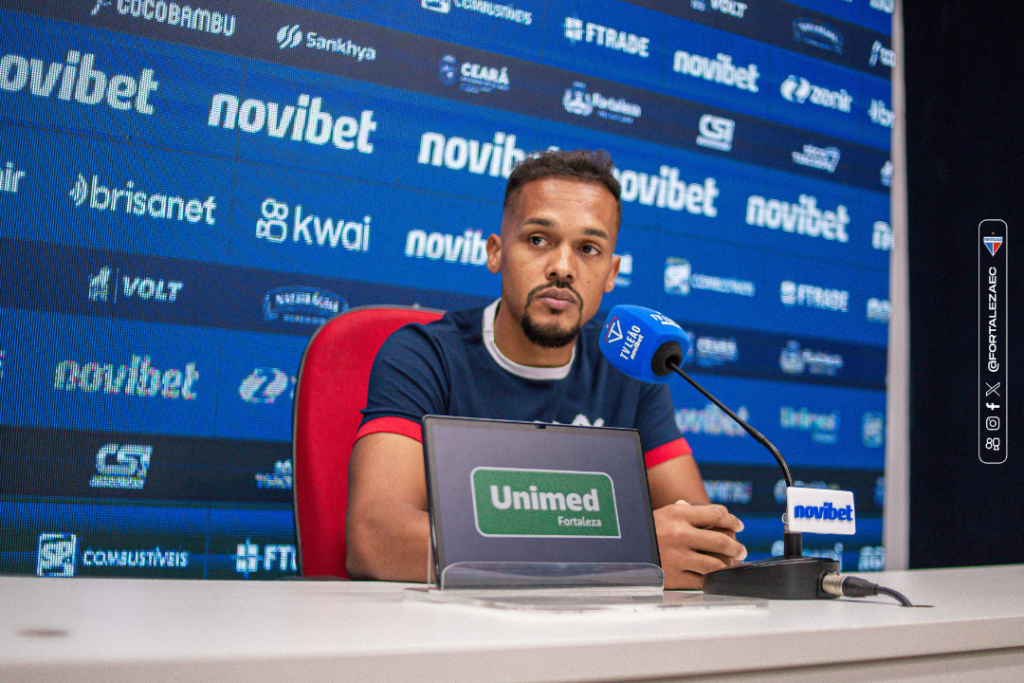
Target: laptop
(529, 504)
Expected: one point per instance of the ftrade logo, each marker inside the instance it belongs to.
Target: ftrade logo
(56, 555)
(582, 103)
(280, 479)
(265, 385)
(127, 469)
(93, 195)
(290, 36)
(666, 190)
(824, 427)
(800, 90)
(10, 178)
(544, 503)
(881, 54)
(137, 378)
(812, 296)
(873, 430)
(496, 158)
(152, 558)
(795, 360)
(472, 77)
(716, 132)
(576, 30)
(825, 158)
(132, 286)
(77, 80)
(710, 420)
(491, 9)
(351, 235)
(171, 13)
(880, 114)
(679, 279)
(881, 236)
(821, 36)
(718, 69)
(303, 122)
(302, 305)
(274, 557)
(879, 310)
(469, 248)
(802, 218)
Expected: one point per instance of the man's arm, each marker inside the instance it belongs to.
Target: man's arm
(694, 538)
(387, 527)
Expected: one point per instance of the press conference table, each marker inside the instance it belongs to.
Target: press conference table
(160, 630)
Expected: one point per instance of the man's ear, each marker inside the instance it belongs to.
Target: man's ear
(609, 284)
(494, 253)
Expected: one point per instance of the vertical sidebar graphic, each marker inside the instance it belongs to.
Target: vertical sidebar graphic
(993, 392)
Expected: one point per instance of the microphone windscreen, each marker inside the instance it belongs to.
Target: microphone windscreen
(636, 339)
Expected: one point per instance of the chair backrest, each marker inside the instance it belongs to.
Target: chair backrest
(329, 393)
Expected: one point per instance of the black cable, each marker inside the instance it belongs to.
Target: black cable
(852, 587)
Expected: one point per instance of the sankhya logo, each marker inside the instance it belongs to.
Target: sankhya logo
(132, 202)
(352, 235)
(469, 248)
(289, 36)
(173, 14)
(799, 90)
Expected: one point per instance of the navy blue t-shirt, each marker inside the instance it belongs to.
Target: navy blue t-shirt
(452, 367)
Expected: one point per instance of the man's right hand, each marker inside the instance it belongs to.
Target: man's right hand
(694, 540)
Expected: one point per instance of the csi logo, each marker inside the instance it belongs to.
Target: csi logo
(56, 555)
(121, 467)
(716, 132)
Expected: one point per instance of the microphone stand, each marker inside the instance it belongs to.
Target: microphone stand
(790, 577)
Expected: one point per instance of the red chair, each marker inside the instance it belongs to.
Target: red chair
(329, 393)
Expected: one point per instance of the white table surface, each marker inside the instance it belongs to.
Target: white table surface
(165, 630)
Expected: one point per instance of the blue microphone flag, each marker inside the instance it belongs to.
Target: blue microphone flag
(632, 337)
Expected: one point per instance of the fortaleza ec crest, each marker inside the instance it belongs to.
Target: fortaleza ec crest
(542, 503)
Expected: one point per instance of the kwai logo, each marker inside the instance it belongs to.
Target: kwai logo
(576, 30)
(801, 218)
(799, 90)
(127, 470)
(718, 69)
(710, 420)
(496, 158)
(827, 158)
(305, 121)
(819, 35)
(666, 190)
(469, 248)
(132, 286)
(540, 503)
(10, 178)
(94, 195)
(330, 232)
(473, 77)
(143, 379)
(302, 305)
(290, 36)
(812, 296)
(716, 132)
(79, 82)
(679, 279)
(880, 114)
(264, 386)
(578, 101)
(173, 14)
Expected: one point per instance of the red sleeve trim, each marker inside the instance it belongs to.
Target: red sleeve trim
(666, 452)
(392, 425)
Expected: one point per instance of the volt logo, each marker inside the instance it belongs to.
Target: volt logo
(77, 80)
(542, 503)
(133, 286)
(127, 469)
(94, 195)
(56, 555)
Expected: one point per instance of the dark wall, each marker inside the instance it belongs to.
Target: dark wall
(965, 149)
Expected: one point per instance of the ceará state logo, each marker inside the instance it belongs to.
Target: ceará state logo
(544, 503)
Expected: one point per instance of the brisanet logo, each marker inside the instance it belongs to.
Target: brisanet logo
(76, 80)
(303, 122)
(291, 36)
(10, 178)
(542, 503)
(93, 195)
(472, 77)
(56, 555)
(491, 9)
(330, 232)
(302, 305)
(802, 218)
(716, 132)
(718, 69)
(121, 466)
(577, 100)
(469, 248)
(812, 296)
(171, 13)
(137, 378)
(799, 90)
(576, 30)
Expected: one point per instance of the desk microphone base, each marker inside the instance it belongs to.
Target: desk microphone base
(783, 578)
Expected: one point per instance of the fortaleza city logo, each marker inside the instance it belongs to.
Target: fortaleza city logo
(577, 100)
(543, 503)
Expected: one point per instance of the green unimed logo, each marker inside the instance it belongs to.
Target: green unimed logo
(538, 503)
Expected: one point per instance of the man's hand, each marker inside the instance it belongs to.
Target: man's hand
(694, 540)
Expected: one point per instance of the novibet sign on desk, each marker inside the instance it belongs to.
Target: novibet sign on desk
(542, 503)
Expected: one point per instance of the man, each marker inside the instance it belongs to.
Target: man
(531, 355)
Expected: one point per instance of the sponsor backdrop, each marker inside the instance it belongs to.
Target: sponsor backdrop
(188, 190)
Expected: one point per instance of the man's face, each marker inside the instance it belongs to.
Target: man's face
(556, 256)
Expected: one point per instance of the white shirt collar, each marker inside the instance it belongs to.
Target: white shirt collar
(524, 371)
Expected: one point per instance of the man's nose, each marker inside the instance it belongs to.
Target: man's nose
(563, 264)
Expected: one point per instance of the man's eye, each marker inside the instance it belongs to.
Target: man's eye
(536, 240)
(590, 249)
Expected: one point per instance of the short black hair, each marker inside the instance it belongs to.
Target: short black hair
(584, 165)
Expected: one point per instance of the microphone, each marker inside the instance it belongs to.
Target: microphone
(651, 347)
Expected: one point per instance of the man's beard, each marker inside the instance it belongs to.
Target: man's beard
(551, 336)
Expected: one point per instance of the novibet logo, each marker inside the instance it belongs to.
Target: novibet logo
(543, 503)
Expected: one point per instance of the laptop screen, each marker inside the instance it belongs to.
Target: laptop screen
(502, 491)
